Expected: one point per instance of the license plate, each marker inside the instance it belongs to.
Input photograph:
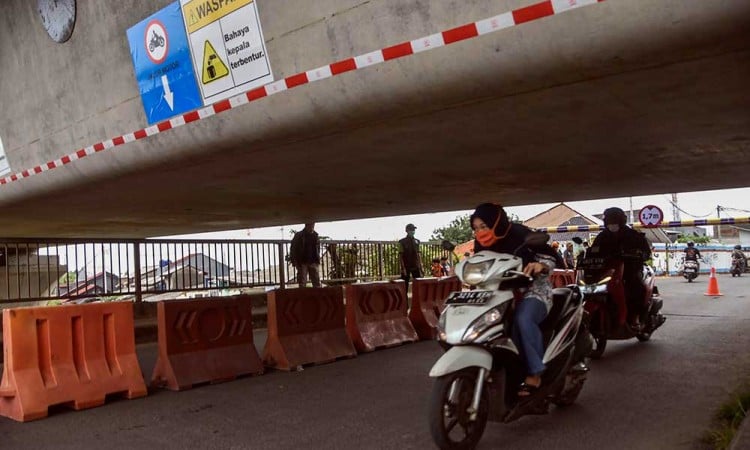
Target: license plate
(469, 298)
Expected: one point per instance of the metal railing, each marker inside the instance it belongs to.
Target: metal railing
(67, 269)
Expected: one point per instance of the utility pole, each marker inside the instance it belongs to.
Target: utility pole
(675, 209)
(718, 227)
(632, 220)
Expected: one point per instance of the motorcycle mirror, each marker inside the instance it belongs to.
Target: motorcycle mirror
(448, 245)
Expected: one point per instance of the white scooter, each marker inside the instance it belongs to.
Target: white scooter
(477, 379)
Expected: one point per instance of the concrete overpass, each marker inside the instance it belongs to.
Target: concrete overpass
(616, 98)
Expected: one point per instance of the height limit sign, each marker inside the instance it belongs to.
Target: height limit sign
(226, 41)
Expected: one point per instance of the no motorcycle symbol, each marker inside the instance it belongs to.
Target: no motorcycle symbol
(156, 41)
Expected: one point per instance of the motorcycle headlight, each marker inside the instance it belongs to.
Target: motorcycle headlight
(486, 320)
(474, 273)
(441, 327)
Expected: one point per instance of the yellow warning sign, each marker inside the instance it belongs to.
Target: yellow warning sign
(213, 67)
(199, 13)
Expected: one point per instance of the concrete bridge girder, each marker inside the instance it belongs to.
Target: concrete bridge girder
(623, 95)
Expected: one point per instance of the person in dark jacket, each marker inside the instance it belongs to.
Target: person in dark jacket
(692, 253)
(618, 239)
(305, 255)
(409, 256)
(493, 231)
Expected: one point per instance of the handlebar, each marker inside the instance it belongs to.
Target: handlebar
(520, 274)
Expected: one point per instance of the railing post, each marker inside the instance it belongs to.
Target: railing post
(282, 266)
(137, 262)
(380, 260)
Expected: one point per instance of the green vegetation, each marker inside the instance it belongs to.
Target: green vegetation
(728, 419)
(458, 231)
(699, 240)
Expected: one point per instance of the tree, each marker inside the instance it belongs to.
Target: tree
(695, 238)
(458, 231)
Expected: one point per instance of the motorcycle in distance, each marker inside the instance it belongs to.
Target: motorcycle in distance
(738, 266)
(601, 282)
(477, 379)
(690, 269)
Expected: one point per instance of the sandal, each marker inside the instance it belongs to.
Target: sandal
(527, 390)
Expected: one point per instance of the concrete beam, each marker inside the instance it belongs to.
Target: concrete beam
(617, 98)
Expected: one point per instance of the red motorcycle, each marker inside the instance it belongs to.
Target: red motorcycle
(601, 282)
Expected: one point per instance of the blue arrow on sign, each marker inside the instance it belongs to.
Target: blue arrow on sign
(163, 65)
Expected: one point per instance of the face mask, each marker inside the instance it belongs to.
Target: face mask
(410, 233)
(487, 237)
(614, 228)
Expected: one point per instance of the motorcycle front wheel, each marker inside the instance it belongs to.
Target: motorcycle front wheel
(450, 422)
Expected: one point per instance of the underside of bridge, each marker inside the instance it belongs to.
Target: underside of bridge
(624, 97)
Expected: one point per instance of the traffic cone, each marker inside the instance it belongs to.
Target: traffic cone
(713, 285)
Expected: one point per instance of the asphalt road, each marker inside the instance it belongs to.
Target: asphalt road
(655, 395)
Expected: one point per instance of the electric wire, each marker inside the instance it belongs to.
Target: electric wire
(685, 212)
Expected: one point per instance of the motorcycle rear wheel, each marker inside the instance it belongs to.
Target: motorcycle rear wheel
(450, 426)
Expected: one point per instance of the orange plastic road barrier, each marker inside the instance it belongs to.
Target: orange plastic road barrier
(424, 312)
(446, 286)
(562, 278)
(376, 315)
(306, 326)
(205, 340)
(713, 285)
(72, 355)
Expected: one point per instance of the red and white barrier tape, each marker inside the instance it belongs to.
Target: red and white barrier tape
(468, 31)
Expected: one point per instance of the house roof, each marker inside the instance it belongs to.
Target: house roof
(557, 216)
(461, 249)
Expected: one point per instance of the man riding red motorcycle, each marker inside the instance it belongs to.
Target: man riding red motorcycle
(619, 290)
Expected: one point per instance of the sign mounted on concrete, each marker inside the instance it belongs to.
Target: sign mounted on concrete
(4, 163)
(163, 65)
(226, 41)
(651, 216)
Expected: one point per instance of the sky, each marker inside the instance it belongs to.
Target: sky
(693, 205)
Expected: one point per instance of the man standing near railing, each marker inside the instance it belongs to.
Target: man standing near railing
(409, 257)
(305, 255)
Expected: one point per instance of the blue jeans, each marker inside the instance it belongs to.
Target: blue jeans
(527, 335)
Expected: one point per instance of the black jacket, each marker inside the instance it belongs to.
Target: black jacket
(305, 248)
(515, 239)
(627, 241)
(692, 254)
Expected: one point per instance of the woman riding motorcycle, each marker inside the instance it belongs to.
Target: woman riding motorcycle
(494, 231)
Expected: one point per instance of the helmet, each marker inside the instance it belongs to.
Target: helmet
(690, 243)
(738, 247)
(615, 215)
